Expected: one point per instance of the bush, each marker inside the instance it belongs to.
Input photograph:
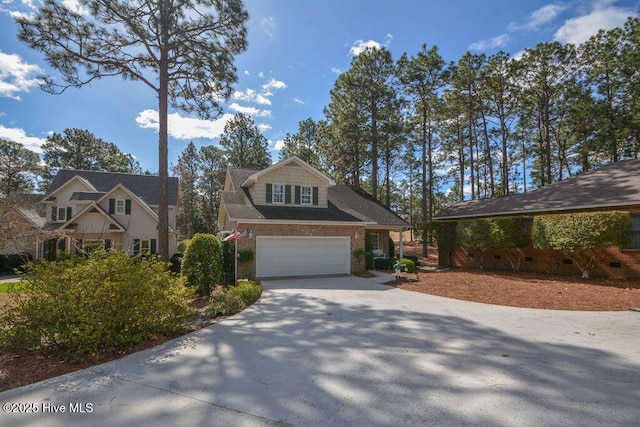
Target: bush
(235, 299)
(202, 263)
(392, 248)
(17, 262)
(228, 252)
(382, 264)
(245, 255)
(409, 266)
(249, 291)
(183, 245)
(176, 262)
(413, 258)
(104, 303)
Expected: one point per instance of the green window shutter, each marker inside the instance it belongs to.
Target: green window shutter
(269, 193)
(315, 196)
(112, 206)
(69, 213)
(153, 246)
(127, 207)
(107, 244)
(136, 246)
(287, 194)
(54, 214)
(297, 195)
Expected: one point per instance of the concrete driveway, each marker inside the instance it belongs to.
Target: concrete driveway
(348, 351)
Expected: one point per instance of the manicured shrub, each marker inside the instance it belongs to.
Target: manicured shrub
(580, 235)
(382, 264)
(104, 303)
(414, 259)
(391, 248)
(183, 245)
(245, 255)
(235, 298)
(409, 266)
(446, 235)
(249, 291)
(510, 234)
(202, 263)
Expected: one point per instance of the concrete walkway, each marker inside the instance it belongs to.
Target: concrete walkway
(348, 351)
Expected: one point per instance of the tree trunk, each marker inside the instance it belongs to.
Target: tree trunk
(163, 144)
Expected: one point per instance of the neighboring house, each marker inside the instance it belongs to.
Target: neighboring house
(22, 218)
(86, 210)
(615, 186)
(300, 222)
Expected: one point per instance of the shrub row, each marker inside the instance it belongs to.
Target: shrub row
(9, 263)
(235, 298)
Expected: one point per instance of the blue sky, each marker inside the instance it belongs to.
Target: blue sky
(296, 49)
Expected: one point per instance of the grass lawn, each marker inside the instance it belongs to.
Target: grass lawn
(4, 292)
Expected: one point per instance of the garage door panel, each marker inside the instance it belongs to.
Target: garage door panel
(302, 256)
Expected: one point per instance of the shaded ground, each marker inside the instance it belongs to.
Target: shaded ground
(493, 287)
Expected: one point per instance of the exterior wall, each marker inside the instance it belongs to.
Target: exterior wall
(289, 175)
(248, 269)
(17, 234)
(63, 197)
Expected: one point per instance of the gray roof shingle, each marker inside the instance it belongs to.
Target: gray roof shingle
(346, 204)
(144, 186)
(614, 185)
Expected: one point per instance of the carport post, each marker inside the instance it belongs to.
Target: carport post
(401, 246)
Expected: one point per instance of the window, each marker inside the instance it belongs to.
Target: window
(305, 195)
(90, 245)
(144, 246)
(374, 241)
(634, 238)
(59, 214)
(278, 194)
(120, 206)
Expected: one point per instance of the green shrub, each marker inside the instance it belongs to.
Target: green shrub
(202, 263)
(249, 291)
(446, 235)
(224, 304)
(228, 252)
(176, 262)
(104, 303)
(580, 234)
(183, 245)
(245, 255)
(382, 264)
(17, 262)
(414, 259)
(392, 248)
(409, 266)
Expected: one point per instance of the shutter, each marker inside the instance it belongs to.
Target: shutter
(287, 194)
(269, 193)
(297, 195)
(107, 244)
(315, 196)
(153, 246)
(136, 246)
(112, 206)
(127, 206)
(54, 214)
(69, 213)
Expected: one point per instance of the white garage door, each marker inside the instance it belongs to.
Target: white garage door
(302, 256)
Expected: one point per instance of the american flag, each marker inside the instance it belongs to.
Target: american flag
(236, 235)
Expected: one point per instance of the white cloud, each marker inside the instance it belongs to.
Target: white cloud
(360, 45)
(274, 84)
(279, 145)
(298, 101)
(185, 128)
(263, 127)
(336, 70)
(19, 135)
(247, 73)
(17, 76)
(268, 25)
(603, 16)
(539, 17)
(75, 6)
(251, 95)
(494, 42)
(250, 111)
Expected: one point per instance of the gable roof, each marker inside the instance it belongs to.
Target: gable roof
(296, 161)
(614, 185)
(146, 187)
(346, 204)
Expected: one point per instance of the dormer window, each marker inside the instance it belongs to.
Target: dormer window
(120, 206)
(59, 214)
(278, 194)
(305, 195)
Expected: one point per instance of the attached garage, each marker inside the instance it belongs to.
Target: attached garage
(278, 256)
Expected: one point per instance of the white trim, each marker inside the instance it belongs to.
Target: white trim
(82, 180)
(100, 210)
(300, 222)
